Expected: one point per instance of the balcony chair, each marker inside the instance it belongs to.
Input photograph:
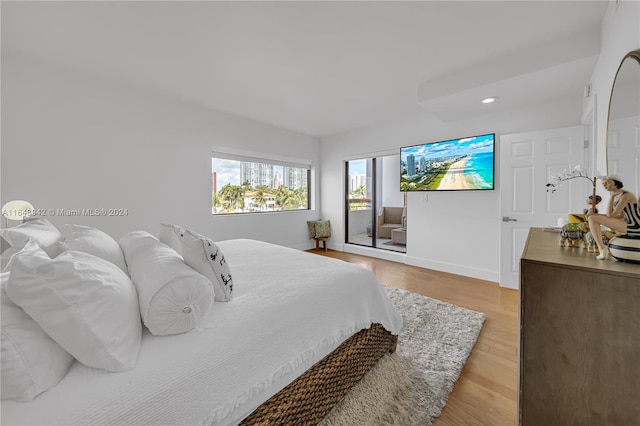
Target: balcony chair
(388, 219)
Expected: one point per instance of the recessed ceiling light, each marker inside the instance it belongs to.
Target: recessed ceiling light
(489, 100)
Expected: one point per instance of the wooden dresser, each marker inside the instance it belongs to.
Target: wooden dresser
(579, 353)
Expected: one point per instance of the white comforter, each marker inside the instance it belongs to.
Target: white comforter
(290, 309)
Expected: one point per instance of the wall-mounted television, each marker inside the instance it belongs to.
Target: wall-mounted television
(464, 164)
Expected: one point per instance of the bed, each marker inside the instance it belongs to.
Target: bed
(300, 332)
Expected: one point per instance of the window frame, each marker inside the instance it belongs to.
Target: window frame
(224, 153)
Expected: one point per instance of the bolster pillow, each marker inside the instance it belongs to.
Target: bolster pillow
(173, 297)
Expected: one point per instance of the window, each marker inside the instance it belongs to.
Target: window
(253, 184)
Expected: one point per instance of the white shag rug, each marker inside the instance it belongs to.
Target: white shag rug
(411, 386)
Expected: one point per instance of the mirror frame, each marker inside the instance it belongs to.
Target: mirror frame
(634, 54)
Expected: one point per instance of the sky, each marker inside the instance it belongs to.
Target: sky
(228, 171)
(473, 145)
(358, 167)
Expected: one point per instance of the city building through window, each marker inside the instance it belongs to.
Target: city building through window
(251, 184)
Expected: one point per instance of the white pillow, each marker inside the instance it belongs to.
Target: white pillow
(93, 241)
(203, 255)
(6, 256)
(173, 297)
(31, 361)
(171, 236)
(40, 230)
(84, 303)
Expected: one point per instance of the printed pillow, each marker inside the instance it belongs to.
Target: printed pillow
(323, 229)
(171, 236)
(31, 361)
(85, 303)
(40, 230)
(173, 297)
(203, 255)
(93, 241)
(311, 224)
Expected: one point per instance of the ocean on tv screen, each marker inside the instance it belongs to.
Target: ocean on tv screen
(458, 164)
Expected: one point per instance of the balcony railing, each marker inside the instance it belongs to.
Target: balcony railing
(359, 203)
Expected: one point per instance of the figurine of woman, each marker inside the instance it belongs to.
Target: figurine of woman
(622, 214)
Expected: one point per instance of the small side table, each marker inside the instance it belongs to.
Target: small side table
(324, 243)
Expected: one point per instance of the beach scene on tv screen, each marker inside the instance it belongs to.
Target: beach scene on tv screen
(459, 164)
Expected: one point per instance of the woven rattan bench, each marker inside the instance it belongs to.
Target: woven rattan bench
(309, 398)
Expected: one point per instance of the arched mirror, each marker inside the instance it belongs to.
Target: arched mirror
(623, 125)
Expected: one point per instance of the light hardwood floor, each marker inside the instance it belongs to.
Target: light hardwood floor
(486, 391)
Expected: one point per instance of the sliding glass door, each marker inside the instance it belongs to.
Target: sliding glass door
(375, 213)
(360, 192)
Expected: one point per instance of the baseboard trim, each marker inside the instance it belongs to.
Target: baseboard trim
(304, 247)
(481, 274)
(393, 256)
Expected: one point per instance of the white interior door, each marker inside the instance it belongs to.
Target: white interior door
(526, 162)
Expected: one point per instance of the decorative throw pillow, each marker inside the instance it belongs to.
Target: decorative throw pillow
(93, 241)
(311, 224)
(203, 255)
(40, 230)
(171, 235)
(85, 303)
(31, 361)
(323, 229)
(173, 297)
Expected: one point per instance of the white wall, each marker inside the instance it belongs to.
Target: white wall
(620, 35)
(70, 142)
(391, 194)
(454, 232)
(458, 232)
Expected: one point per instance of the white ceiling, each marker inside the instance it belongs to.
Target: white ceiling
(322, 68)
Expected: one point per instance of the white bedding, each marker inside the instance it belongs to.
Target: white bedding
(290, 309)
